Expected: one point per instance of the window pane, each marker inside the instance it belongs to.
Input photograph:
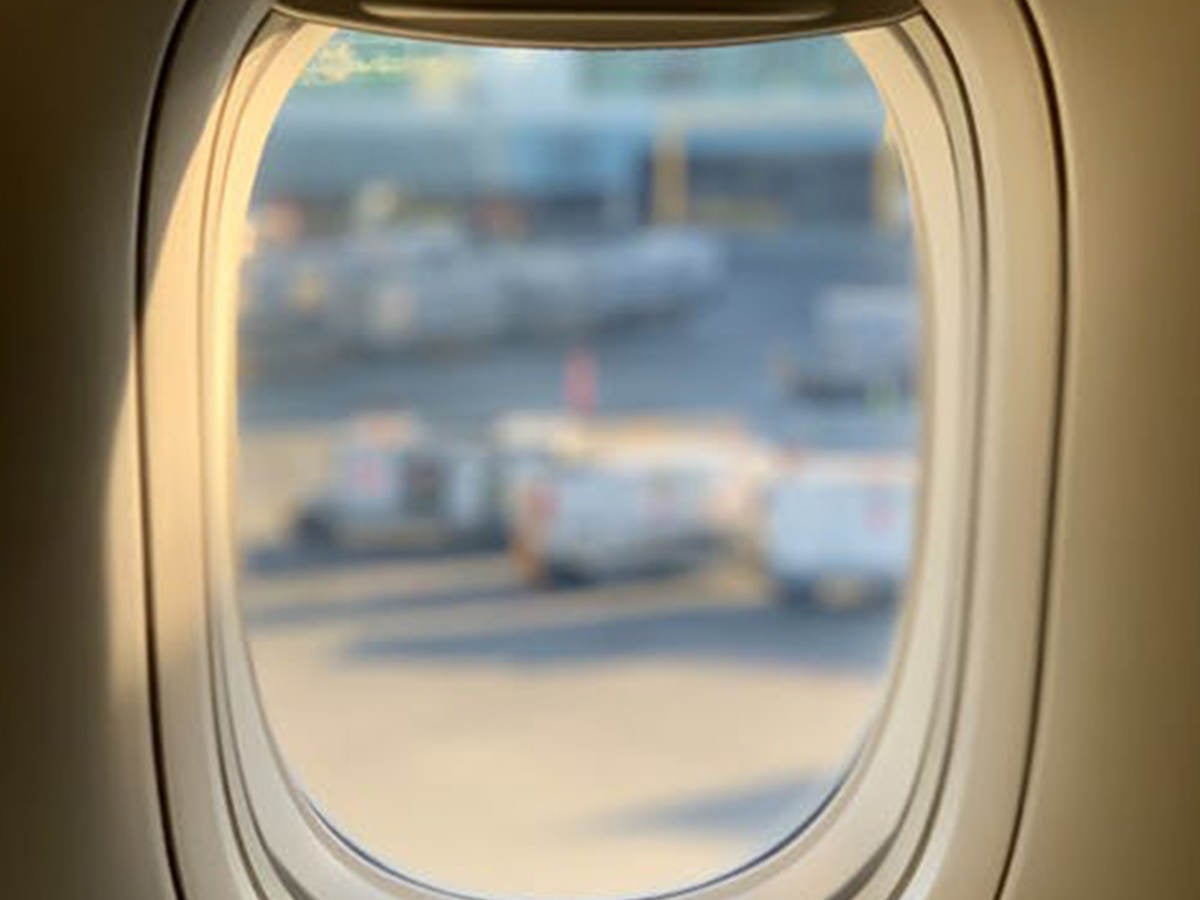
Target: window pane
(578, 419)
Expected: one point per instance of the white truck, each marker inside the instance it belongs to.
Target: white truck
(864, 348)
(837, 530)
(631, 499)
(392, 484)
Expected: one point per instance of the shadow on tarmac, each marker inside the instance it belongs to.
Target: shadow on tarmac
(762, 635)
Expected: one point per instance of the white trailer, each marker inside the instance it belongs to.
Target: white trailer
(839, 528)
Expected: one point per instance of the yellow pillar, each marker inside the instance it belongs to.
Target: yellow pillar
(669, 174)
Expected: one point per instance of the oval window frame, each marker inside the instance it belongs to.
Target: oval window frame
(223, 778)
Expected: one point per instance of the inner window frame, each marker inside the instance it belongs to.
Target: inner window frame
(252, 743)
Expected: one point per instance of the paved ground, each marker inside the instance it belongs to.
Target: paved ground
(604, 740)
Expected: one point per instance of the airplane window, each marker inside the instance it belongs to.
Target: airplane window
(578, 410)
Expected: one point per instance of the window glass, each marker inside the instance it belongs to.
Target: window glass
(578, 414)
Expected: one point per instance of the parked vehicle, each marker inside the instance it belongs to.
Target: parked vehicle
(394, 485)
(684, 267)
(550, 288)
(654, 273)
(838, 529)
(307, 302)
(402, 290)
(431, 302)
(864, 348)
(630, 499)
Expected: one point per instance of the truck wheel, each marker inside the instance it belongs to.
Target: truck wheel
(563, 576)
(313, 529)
(798, 594)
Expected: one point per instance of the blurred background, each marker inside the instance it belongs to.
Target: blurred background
(578, 399)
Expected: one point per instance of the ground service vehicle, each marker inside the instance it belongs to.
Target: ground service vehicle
(397, 485)
(864, 342)
(838, 529)
(625, 498)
